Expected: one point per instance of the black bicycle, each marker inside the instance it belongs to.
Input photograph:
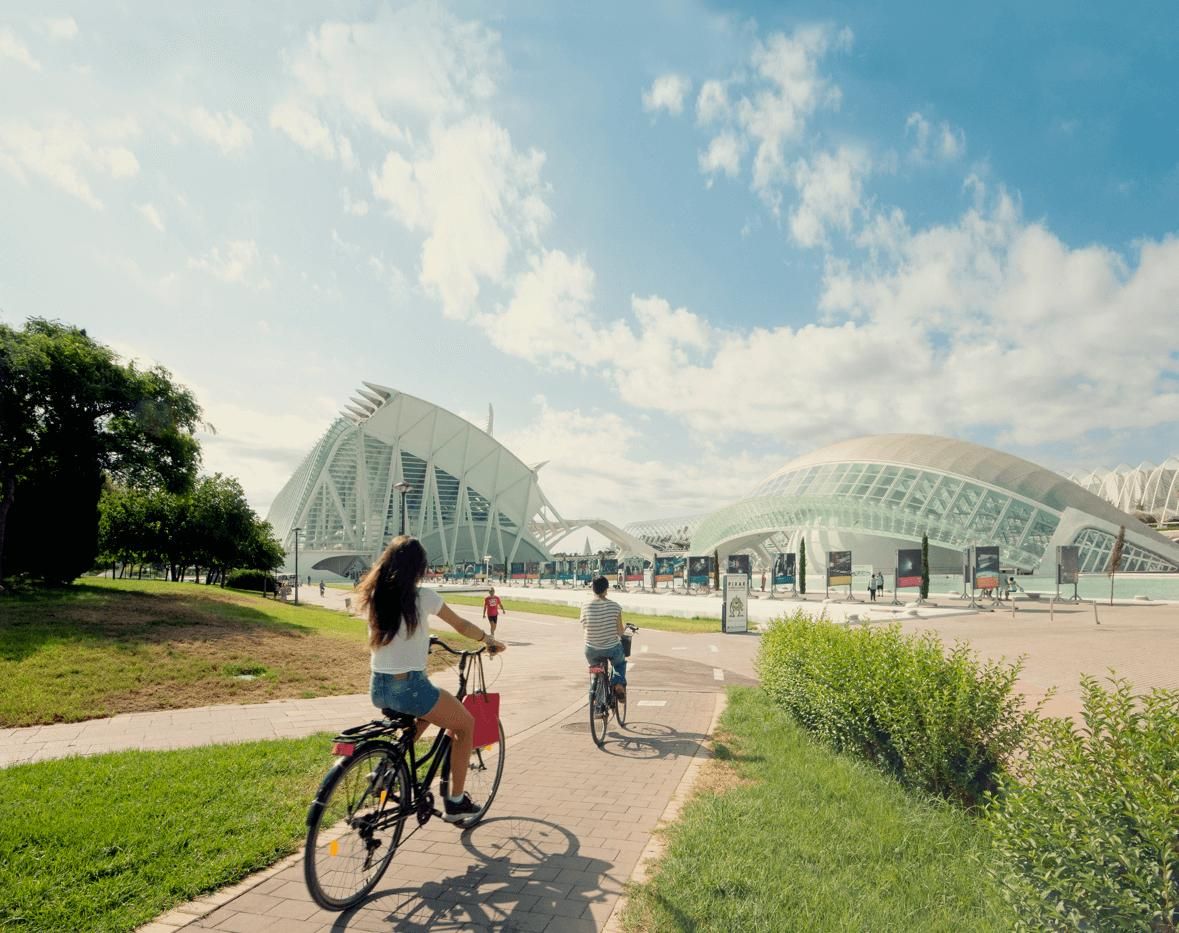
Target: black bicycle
(603, 701)
(377, 785)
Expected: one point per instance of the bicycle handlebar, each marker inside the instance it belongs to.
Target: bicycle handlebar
(435, 640)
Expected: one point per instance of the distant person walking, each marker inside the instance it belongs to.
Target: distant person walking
(321, 589)
(492, 607)
(872, 587)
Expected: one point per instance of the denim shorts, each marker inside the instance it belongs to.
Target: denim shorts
(414, 695)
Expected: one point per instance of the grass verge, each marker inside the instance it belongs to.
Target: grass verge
(662, 623)
(117, 646)
(783, 834)
(110, 842)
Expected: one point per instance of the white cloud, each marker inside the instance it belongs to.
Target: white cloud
(475, 197)
(304, 128)
(68, 153)
(767, 108)
(712, 104)
(151, 214)
(65, 27)
(357, 208)
(723, 155)
(236, 264)
(667, 92)
(830, 189)
(12, 48)
(227, 131)
(942, 142)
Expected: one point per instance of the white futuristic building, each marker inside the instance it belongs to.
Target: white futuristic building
(871, 495)
(469, 497)
(1146, 489)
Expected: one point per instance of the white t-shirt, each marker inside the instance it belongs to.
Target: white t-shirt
(408, 652)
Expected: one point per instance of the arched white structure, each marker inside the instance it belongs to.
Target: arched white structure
(873, 494)
(1146, 488)
(469, 496)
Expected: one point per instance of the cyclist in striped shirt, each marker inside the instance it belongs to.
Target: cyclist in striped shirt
(602, 620)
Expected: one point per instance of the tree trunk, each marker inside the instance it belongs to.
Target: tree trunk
(5, 505)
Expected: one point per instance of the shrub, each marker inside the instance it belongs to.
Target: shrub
(1087, 834)
(253, 580)
(939, 720)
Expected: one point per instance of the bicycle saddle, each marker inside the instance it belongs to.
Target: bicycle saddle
(400, 720)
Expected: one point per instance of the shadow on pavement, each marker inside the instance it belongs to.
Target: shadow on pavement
(512, 884)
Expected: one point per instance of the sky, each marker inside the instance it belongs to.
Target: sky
(673, 245)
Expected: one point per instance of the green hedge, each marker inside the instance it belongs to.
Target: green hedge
(939, 720)
(253, 580)
(1087, 833)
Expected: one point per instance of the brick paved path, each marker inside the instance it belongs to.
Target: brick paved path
(562, 838)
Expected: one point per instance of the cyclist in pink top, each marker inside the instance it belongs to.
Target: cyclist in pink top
(492, 607)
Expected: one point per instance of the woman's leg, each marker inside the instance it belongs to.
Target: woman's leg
(452, 716)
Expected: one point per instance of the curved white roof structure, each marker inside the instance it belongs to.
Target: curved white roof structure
(1146, 488)
(469, 495)
(875, 493)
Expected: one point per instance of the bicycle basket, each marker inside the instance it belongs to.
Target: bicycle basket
(626, 640)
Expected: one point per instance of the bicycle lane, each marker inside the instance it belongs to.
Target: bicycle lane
(565, 833)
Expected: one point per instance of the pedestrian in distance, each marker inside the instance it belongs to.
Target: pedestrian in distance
(872, 587)
(492, 607)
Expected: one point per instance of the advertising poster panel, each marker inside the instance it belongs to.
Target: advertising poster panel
(735, 602)
(634, 571)
(548, 570)
(699, 570)
(582, 571)
(664, 569)
(908, 567)
(986, 567)
(532, 569)
(967, 565)
(1068, 563)
(784, 569)
(839, 568)
(565, 570)
(740, 563)
(609, 567)
(517, 570)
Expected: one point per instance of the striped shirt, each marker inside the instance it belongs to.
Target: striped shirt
(600, 619)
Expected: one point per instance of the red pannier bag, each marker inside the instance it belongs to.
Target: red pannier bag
(485, 708)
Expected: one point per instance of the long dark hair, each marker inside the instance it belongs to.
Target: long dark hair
(389, 591)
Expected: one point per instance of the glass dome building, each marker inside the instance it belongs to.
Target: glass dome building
(872, 495)
(469, 496)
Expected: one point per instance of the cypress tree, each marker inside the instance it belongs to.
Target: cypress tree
(925, 566)
(802, 566)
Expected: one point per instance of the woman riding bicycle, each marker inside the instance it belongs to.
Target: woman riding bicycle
(399, 640)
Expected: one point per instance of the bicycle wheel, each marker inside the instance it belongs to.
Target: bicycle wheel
(599, 710)
(620, 710)
(354, 826)
(483, 777)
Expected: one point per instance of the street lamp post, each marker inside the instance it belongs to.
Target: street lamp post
(297, 530)
(402, 487)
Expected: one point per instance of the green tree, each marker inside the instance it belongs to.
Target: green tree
(71, 415)
(802, 566)
(924, 565)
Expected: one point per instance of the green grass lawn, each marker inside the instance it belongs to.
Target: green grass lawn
(112, 646)
(785, 835)
(662, 623)
(110, 842)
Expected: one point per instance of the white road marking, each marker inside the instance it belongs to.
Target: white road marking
(645, 649)
(718, 674)
(713, 648)
(652, 702)
(680, 648)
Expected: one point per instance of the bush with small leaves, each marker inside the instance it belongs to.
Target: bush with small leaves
(256, 580)
(938, 719)
(1086, 833)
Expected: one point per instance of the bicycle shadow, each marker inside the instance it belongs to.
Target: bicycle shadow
(650, 741)
(519, 864)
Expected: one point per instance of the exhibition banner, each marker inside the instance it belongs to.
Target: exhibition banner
(517, 570)
(699, 569)
(740, 563)
(908, 567)
(548, 570)
(565, 570)
(609, 567)
(784, 569)
(582, 571)
(532, 569)
(986, 567)
(668, 568)
(735, 602)
(1068, 563)
(634, 571)
(839, 568)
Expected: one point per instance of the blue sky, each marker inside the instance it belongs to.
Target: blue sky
(673, 244)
